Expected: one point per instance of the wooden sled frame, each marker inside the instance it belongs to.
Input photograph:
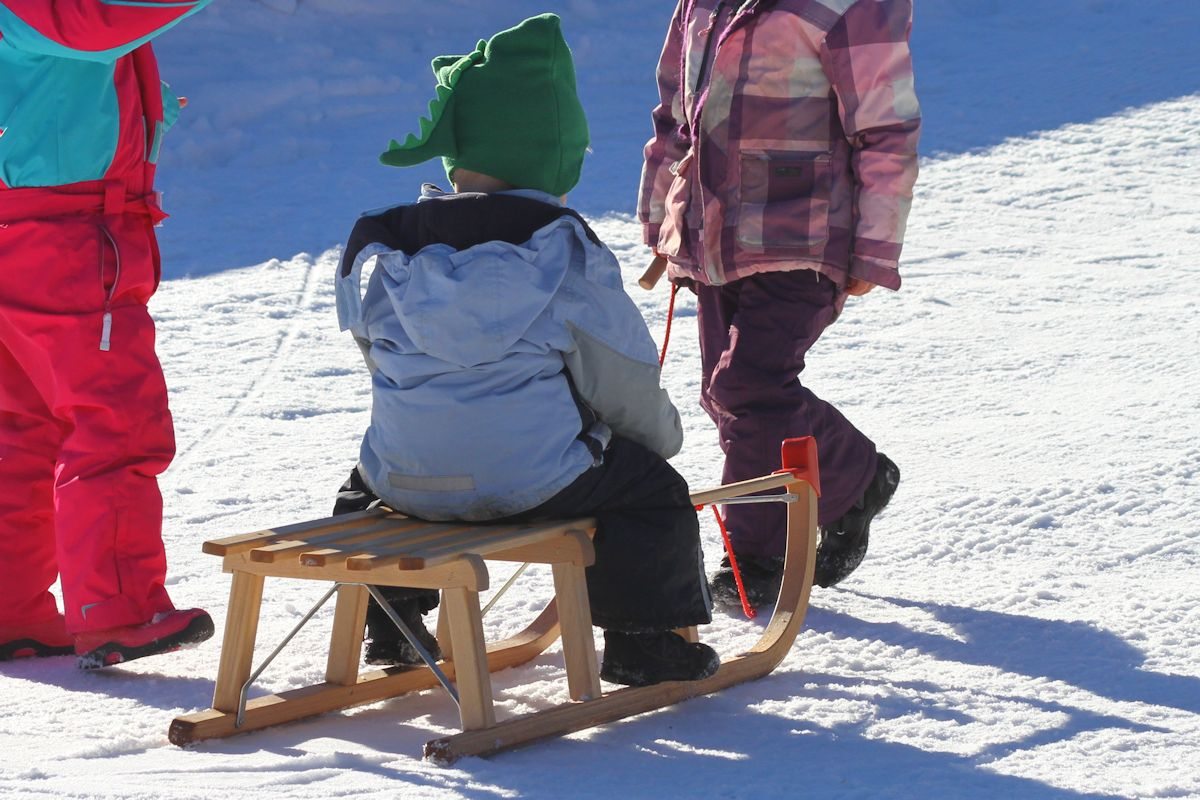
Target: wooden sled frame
(460, 572)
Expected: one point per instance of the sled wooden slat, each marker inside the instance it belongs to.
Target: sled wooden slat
(402, 544)
(248, 541)
(481, 539)
(379, 532)
(383, 548)
(378, 538)
(468, 570)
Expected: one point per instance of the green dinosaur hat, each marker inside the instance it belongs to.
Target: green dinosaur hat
(508, 110)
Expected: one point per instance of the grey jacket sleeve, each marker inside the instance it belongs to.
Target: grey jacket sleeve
(624, 392)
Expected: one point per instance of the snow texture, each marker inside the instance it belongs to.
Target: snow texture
(1026, 623)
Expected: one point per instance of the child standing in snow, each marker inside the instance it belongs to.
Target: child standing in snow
(84, 424)
(513, 377)
(778, 182)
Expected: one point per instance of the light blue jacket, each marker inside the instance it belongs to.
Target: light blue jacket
(473, 415)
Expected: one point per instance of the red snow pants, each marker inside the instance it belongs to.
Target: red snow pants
(84, 429)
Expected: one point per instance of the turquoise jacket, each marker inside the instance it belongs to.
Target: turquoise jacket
(80, 95)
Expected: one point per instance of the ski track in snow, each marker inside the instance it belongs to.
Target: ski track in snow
(1026, 624)
(297, 313)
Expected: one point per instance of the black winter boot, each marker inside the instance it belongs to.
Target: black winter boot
(761, 576)
(843, 543)
(642, 659)
(388, 646)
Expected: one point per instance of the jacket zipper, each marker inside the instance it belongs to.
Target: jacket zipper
(705, 64)
(106, 324)
(709, 47)
(707, 61)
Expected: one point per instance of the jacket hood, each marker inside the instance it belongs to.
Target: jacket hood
(472, 306)
(465, 275)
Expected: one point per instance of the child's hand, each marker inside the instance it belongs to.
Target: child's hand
(858, 287)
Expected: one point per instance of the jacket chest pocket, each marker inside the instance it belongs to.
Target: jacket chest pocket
(784, 199)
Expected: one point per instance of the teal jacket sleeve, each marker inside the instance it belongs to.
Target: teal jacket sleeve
(94, 30)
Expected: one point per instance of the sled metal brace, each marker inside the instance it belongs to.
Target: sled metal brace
(786, 497)
(507, 585)
(426, 656)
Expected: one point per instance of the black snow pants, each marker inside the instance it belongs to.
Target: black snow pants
(649, 570)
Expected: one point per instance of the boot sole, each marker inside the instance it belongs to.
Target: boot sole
(627, 678)
(849, 556)
(112, 653)
(759, 594)
(31, 648)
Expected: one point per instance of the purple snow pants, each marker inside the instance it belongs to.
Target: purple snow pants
(754, 334)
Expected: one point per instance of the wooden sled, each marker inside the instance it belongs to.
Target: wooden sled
(357, 551)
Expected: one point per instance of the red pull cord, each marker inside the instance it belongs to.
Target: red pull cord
(733, 565)
(667, 333)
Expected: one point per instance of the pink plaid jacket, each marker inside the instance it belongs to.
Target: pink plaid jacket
(786, 139)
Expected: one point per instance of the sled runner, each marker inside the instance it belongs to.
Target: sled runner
(357, 552)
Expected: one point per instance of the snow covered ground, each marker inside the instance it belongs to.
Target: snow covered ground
(1026, 624)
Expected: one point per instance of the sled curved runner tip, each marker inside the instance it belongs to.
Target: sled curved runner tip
(389, 548)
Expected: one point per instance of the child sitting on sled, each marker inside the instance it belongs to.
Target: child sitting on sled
(512, 376)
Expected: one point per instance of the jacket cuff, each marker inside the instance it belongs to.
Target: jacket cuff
(650, 234)
(880, 273)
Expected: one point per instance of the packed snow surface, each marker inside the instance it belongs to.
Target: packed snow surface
(1026, 623)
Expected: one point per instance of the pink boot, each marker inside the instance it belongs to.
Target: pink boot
(164, 633)
(35, 639)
